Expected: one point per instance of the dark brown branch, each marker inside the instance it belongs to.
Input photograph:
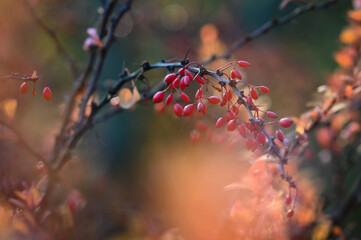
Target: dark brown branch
(69, 59)
(266, 27)
(102, 56)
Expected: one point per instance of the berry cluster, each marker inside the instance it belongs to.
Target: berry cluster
(231, 93)
(24, 87)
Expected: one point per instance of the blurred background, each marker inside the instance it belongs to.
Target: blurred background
(138, 172)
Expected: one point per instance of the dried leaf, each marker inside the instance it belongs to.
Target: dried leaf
(34, 74)
(9, 107)
(127, 98)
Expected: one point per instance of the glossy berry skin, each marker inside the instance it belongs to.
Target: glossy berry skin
(254, 94)
(242, 130)
(280, 136)
(288, 200)
(230, 116)
(181, 71)
(170, 77)
(200, 80)
(200, 107)
(178, 110)
(189, 75)
(188, 110)
(169, 99)
(220, 122)
(47, 93)
(184, 97)
(24, 87)
(175, 83)
(290, 213)
(236, 74)
(182, 84)
(158, 97)
(232, 125)
(271, 114)
(214, 100)
(285, 122)
(199, 93)
(264, 89)
(243, 64)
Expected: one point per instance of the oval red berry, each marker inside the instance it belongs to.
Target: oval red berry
(47, 93)
(24, 87)
(220, 122)
(285, 122)
(178, 110)
(158, 97)
(170, 77)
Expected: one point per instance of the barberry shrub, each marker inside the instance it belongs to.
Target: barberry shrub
(66, 160)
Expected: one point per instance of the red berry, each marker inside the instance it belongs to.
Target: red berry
(235, 110)
(204, 110)
(47, 93)
(230, 116)
(200, 80)
(261, 138)
(170, 77)
(280, 136)
(285, 122)
(231, 125)
(236, 74)
(182, 84)
(290, 213)
(178, 110)
(220, 122)
(188, 110)
(271, 114)
(214, 99)
(24, 87)
(169, 99)
(242, 130)
(199, 93)
(264, 89)
(184, 97)
(243, 64)
(254, 94)
(186, 80)
(288, 200)
(200, 107)
(249, 100)
(158, 97)
(175, 83)
(189, 75)
(181, 71)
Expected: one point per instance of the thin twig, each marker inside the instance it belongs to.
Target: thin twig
(69, 59)
(101, 60)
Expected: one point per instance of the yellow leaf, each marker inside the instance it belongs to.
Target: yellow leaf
(9, 107)
(127, 98)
